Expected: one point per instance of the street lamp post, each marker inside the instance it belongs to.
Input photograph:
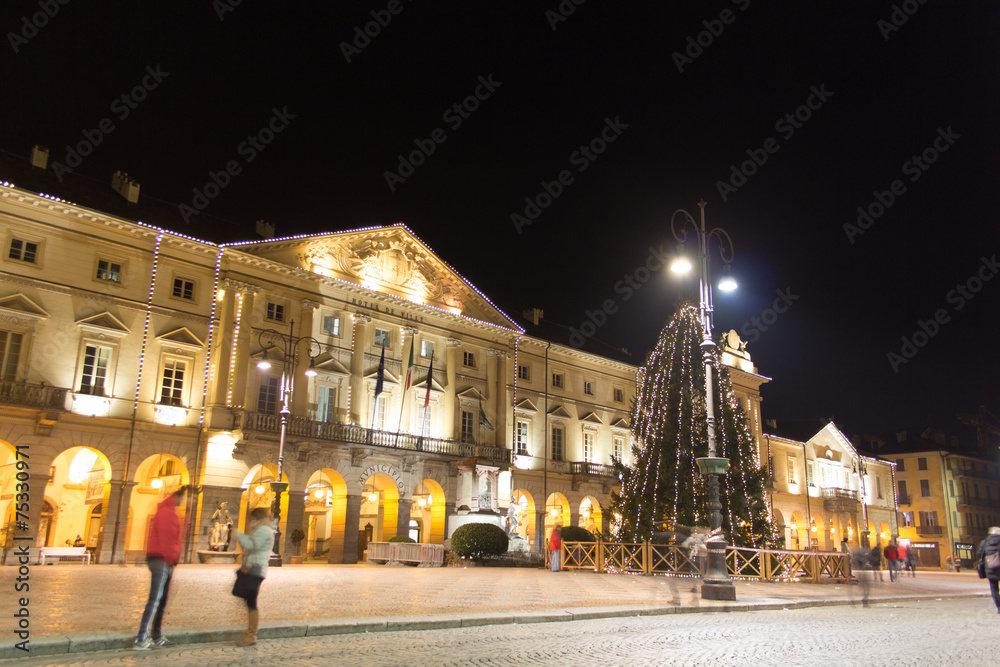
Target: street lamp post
(288, 344)
(716, 584)
(860, 473)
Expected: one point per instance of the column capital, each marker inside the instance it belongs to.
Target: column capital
(309, 304)
(239, 286)
(361, 317)
(409, 330)
(453, 342)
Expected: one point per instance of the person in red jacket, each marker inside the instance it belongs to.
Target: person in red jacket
(162, 553)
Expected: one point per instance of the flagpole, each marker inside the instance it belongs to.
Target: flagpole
(427, 398)
(406, 389)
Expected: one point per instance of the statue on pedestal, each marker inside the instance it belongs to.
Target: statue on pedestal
(222, 529)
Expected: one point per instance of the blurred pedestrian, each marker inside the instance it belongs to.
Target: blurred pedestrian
(875, 562)
(912, 556)
(863, 571)
(555, 548)
(989, 563)
(256, 554)
(891, 554)
(163, 550)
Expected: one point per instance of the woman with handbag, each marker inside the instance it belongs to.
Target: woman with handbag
(989, 562)
(256, 552)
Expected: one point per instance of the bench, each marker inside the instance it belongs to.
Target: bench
(62, 552)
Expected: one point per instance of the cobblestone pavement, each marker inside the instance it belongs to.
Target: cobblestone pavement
(91, 604)
(928, 632)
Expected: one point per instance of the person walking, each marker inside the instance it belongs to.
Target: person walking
(555, 548)
(902, 550)
(256, 553)
(987, 548)
(844, 546)
(875, 561)
(163, 550)
(891, 556)
(911, 561)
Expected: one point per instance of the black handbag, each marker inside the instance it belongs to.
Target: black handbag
(246, 584)
(981, 566)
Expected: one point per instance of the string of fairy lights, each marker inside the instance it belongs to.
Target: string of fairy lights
(669, 432)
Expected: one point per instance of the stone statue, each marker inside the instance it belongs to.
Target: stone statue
(222, 529)
(512, 520)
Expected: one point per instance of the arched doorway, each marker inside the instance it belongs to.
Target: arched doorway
(557, 513)
(797, 532)
(524, 514)
(78, 483)
(324, 517)
(590, 515)
(379, 514)
(427, 513)
(257, 492)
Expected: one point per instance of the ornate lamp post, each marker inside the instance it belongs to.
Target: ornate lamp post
(860, 473)
(716, 585)
(287, 349)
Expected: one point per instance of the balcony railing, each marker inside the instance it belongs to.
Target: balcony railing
(33, 395)
(929, 530)
(969, 471)
(848, 494)
(358, 435)
(976, 502)
(589, 468)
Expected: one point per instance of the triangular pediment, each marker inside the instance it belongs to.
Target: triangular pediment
(327, 363)
(103, 323)
(21, 306)
(422, 382)
(389, 260)
(181, 337)
(620, 423)
(524, 405)
(559, 411)
(472, 394)
(592, 418)
(387, 377)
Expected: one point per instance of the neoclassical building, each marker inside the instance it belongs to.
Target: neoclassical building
(137, 359)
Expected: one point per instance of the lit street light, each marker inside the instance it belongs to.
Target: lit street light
(716, 585)
(288, 348)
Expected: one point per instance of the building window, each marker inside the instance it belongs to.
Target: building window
(96, 359)
(469, 359)
(110, 271)
(557, 380)
(810, 474)
(588, 447)
(331, 325)
(901, 485)
(468, 425)
(521, 443)
(619, 395)
(326, 407)
(619, 447)
(184, 289)
(427, 349)
(172, 387)
(424, 415)
(878, 487)
(899, 465)
(381, 338)
(267, 397)
(275, 312)
(951, 488)
(380, 404)
(23, 251)
(928, 519)
(925, 487)
(921, 464)
(523, 372)
(588, 387)
(10, 355)
(791, 469)
(557, 443)
(906, 519)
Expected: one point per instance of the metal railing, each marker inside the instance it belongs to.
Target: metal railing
(847, 494)
(977, 502)
(33, 395)
(929, 530)
(903, 498)
(590, 468)
(359, 435)
(747, 564)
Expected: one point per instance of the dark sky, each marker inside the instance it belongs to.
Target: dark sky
(886, 82)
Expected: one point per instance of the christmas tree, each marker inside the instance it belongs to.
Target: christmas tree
(670, 430)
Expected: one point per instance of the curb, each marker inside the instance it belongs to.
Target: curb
(65, 644)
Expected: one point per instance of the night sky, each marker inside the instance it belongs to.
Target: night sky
(640, 108)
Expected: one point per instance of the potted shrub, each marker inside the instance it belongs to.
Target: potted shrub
(296, 537)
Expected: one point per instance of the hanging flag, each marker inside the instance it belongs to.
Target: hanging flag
(483, 421)
(381, 374)
(430, 375)
(409, 370)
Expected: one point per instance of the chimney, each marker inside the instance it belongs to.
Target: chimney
(125, 186)
(265, 229)
(39, 156)
(535, 314)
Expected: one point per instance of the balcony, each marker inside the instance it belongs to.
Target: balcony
(358, 435)
(840, 500)
(969, 471)
(903, 498)
(929, 531)
(593, 469)
(976, 502)
(33, 395)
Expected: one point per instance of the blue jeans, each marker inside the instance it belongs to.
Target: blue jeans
(159, 587)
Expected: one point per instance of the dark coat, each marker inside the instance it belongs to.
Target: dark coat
(990, 546)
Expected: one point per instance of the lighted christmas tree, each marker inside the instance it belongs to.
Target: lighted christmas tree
(670, 430)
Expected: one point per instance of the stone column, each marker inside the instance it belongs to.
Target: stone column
(500, 401)
(293, 519)
(242, 384)
(357, 409)
(110, 517)
(403, 520)
(467, 495)
(352, 524)
(449, 400)
(300, 382)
